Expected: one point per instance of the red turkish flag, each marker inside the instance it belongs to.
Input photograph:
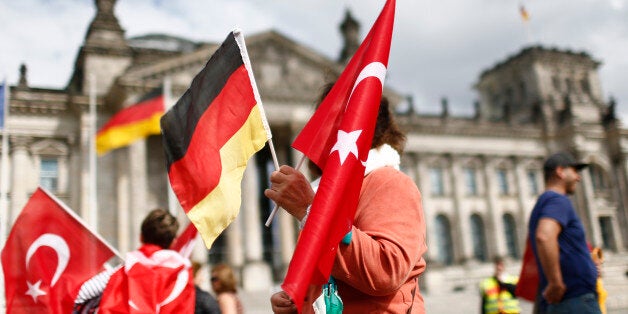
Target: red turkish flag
(152, 281)
(184, 243)
(338, 139)
(48, 255)
(528, 283)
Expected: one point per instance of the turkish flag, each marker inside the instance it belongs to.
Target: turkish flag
(338, 139)
(528, 283)
(48, 255)
(184, 243)
(152, 281)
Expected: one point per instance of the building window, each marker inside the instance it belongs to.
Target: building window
(586, 88)
(470, 181)
(569, 85)
(437, 182)
(502, 181)
(444, 242)
(510, 232)
(598, 178)
(556, 83)
(479, 238)
(219, 250)
(606, 228)
(533, 183)
(49, 174)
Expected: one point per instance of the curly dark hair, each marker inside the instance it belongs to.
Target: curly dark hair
(159, 228)
(386, 130)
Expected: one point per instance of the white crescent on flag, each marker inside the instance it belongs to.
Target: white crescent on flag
(373, 69)
(58, 245)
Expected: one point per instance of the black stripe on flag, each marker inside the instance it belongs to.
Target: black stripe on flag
(178, 125)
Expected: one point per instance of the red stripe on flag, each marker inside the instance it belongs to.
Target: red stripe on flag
(135, 113)
(198, 172)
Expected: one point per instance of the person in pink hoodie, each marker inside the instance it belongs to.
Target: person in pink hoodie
(379, 261)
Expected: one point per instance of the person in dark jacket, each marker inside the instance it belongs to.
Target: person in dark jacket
(204, 302)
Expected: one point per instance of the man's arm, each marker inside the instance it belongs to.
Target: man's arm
(549, 255)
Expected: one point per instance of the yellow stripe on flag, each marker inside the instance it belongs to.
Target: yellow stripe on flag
(124, 135)
(221, 206)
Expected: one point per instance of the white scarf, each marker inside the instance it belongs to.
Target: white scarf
(382, 156)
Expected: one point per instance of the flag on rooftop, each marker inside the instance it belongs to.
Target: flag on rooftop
(524, 13)
(338, 139)
(132, 123)
(209, 136)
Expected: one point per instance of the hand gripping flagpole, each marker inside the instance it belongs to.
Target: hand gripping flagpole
(274, 212)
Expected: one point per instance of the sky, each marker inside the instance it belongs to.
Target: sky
(439, 47)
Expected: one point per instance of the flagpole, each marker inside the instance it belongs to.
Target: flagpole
(4, 180)
(274, 212)
(93, 201)
(173, 202)
(239, 37)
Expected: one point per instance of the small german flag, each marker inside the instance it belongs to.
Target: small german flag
(132, 123)
(209, 136)
(524, 13)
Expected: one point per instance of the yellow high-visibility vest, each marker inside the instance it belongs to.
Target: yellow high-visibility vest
(496, 301)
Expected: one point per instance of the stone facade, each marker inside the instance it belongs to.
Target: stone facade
(479, 175)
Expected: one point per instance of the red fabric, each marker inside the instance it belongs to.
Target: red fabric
(352, 105)
(152, 281)
(529, 277)
(43, 238)
(184, 243)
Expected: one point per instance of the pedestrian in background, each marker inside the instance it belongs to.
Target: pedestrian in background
(204, 303)
(498, 291)
(224, 285)
(567, 274)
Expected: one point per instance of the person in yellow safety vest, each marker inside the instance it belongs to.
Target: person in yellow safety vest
(498, 292)
(602, 294)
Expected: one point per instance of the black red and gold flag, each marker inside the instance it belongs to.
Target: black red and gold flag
(209, 136)
(132, 123)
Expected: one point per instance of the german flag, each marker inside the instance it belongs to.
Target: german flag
(524, 13)
(210, 134)
(132, 123)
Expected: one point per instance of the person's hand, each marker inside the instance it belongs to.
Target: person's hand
(290, 189)
(553, 293)
(281, 303)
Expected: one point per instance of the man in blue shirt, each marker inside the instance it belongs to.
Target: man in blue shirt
(567, 274)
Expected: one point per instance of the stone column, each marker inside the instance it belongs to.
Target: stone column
(85, 140)
(256, 274)
(234, 243)
(492, 222)
(460, 230)
(423, 182)
(123, 189)
(589, 220)
(523, 190)
(19, 189)
(138, 180)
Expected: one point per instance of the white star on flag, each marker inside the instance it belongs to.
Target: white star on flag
(34, 290)
(346, 144)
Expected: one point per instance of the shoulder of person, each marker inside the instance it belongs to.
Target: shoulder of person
(388, 173)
